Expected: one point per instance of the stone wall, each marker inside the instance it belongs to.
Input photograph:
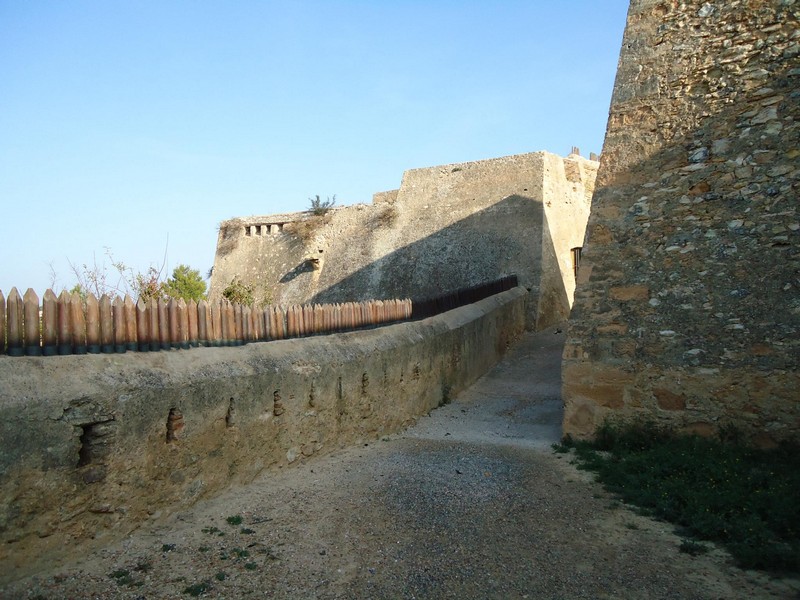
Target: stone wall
(446, 228)
(688, 303)
(95, 444)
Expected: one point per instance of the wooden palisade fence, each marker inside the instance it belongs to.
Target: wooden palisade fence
(427, 307)
(69, 324)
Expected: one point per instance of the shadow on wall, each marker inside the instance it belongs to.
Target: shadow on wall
(511, 237)
(687, 309)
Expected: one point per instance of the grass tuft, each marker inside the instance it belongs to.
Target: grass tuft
(719, 491)
(197, 589)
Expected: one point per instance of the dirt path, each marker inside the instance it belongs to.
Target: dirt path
(469, 503)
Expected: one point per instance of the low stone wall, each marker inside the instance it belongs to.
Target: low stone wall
(93, 445)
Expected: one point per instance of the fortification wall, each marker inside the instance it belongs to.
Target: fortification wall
(688, 303)
(446, 228)
(93, 445)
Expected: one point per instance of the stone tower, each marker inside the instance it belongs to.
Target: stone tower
(687, 309)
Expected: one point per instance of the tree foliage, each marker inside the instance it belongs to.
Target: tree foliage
(185, 283)
(99, 278)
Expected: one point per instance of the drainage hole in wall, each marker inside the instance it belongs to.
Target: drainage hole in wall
(174, 424)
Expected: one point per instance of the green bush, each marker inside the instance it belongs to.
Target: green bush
(239, 292)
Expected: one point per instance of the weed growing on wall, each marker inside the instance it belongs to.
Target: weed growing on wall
(387, 216)
(742, 498)
(319, 207)
(239, 292)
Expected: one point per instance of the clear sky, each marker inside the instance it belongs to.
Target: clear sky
(139, 126)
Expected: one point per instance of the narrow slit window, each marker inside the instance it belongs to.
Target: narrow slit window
(576, 261)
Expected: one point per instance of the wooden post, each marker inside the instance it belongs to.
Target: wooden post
(30, 314)
(238, 321)
(224, 323)
(194, 323)
(174, 323)
(163, 325)
(272, 324)
(77, 324)
(216, 318)
(14, 313)
(164, 337)
(316, 311)
(262, 324)
(64, 330)
(247, 322)
(152, 325)
(49, 323)
(268, 324)
(183, 325)
(289, 325)
(120, 331)
(279, 332)
(131, 322)
(258, 324)
(203, 323)
(2, 323)
(92, 324)
(106, 326)
(142, 326)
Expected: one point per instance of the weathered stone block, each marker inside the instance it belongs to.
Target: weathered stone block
(630, 292)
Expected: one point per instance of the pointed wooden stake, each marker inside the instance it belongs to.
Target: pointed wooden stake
(92, 324)
(120, 332)
(194, 323)
(142, 326)
(153, 321)
(183, 325)
(77, 323)
(131, 323)
(2, 323)
(163, 325)
(49, 323)
(106, 325)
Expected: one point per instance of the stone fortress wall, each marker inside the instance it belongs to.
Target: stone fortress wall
(445, 228)
(688, 303)
(95, 444)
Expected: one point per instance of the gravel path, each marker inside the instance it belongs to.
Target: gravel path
(469, 503)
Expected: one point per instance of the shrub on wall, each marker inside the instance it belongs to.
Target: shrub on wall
(239, 292)
(319, 207)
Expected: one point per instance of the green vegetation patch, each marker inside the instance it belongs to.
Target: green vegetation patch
(742, 498)
(197, 589)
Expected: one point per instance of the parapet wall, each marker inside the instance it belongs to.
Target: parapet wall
(448, 227)
(93, 445)
(687, 310)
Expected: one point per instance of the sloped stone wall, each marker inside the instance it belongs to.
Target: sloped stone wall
(687, 310)
(95, 444)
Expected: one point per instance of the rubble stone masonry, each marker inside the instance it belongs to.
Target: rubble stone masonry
(687, 310)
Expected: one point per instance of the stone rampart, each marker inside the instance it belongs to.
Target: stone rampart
(446, 228)
(95, 444)
(688, 304)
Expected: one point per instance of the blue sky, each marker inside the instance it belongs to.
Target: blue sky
(139, 126)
